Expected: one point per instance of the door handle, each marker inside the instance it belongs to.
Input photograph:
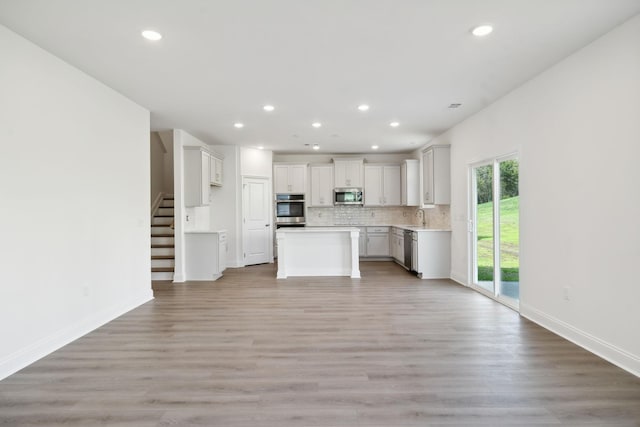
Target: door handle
(266, 225)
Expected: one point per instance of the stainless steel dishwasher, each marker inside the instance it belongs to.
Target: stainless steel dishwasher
(408, 249)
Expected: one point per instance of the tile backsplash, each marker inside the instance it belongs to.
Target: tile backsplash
(437, 217)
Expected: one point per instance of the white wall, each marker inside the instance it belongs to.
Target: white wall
(257, 163)
(577, 130)
(74, 179)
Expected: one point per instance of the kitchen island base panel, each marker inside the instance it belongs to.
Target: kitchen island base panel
(318, 252)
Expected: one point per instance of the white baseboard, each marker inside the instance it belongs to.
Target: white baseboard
(619, 357)
(234, 264)
(459, 278)
(47, 345)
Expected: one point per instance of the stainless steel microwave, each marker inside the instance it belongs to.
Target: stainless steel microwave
(347, 196)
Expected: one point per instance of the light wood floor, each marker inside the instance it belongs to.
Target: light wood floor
(384, 350)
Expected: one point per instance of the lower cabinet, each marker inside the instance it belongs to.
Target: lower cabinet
(396, 244)
(205, 254)
(362, 242)
(374, 242)
(430, 249)
(378, 241)
(432, 253)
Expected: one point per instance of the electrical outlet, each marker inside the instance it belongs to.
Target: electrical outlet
(565, 293)
(85, 290)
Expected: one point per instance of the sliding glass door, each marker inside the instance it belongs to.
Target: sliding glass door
(495, 225)
(484, 221)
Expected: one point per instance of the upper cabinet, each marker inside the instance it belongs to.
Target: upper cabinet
(196, 176)
(348, 173)
(290, 178)
(382, 185)
(436, 175)
(215, 170)
(410, 182)
(321, 185)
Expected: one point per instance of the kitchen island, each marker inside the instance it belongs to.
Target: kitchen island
(318, 251)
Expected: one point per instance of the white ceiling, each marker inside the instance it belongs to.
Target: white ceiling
(220, 61)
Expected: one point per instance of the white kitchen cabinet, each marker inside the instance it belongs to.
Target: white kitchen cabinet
(290, 179)
(410, 182)
(362, 242)
(436, 175)
(382, 185)
(377, 242)
(348, 173)
(321, 185)
(223, 250)
(215, 170)
(433, 254)
(196, 176)
(205, 254)
(396, 244)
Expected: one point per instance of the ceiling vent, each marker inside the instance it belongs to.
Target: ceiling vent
(455, 105)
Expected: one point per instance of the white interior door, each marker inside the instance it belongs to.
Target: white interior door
(256, 219)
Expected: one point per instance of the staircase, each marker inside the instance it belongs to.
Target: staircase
(162, 242)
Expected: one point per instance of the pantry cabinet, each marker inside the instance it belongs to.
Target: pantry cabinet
(382, 185)
(290, 179)
(436, 175)
(321, 185)
(348, 173)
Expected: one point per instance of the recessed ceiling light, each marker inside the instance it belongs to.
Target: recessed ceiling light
(363, 107)
(394, 124)
(316, 124)
(238, 125)
(374, 147)
(268, 108)
(151, 35)
(482, 30)
(316, 147)
(260, 147)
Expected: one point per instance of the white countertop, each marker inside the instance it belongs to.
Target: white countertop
(404, 227)
(204, 231)
(328, 229)
(419, 228)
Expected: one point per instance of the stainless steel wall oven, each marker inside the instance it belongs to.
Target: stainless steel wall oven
(290, 209)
